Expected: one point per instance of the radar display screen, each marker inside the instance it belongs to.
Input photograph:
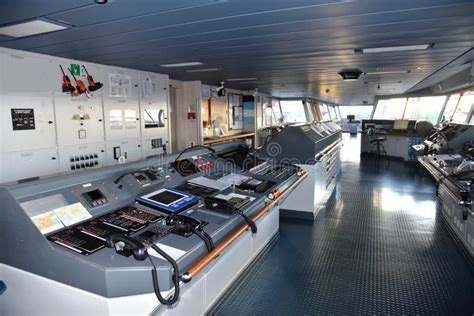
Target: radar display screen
(166, 197)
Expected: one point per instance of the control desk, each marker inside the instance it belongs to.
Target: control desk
(454, 173)
(315, 147)
(111, 239)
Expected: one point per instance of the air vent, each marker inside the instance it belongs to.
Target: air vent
(350, 75)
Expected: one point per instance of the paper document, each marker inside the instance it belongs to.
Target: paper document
(174, 253)
(234, 179)
(210, 183)
(72, 214)
(47, 222)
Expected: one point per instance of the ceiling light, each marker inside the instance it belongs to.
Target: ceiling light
(392, 49)
(204, 70)
(100, 1)
(396, 72)
(30, 28)
(241, 79)
(187, 64)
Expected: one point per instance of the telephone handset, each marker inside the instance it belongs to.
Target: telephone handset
(126, 244)
(186, 226)
(129, 246)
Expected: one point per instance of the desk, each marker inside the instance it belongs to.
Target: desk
(227, 138)
(398, 144)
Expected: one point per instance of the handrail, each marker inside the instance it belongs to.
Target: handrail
(201, 264)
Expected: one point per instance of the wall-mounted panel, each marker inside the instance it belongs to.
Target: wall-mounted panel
(28, 164)
(29, 73)
(81, 157)
(26, 123)
(123, 151)
(121, 119)
(79, 120)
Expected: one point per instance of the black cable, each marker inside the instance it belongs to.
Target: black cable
(194, 147)
(233, 209)
(154, 274)
(251, 223)
(206, 238)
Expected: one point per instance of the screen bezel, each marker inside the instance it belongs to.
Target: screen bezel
(147, 197)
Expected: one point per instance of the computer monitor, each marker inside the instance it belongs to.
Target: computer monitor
(351, 117)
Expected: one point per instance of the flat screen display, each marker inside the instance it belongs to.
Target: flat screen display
(166, 197)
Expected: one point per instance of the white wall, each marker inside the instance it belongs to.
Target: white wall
(189, 100)
(75, 128)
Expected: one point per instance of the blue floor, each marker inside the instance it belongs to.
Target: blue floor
(379, 248)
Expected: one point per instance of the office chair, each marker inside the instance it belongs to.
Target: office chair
(377, 139)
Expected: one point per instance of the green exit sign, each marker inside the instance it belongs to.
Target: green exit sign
(76, 69)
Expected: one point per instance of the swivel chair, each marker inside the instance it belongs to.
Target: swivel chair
(377, 140)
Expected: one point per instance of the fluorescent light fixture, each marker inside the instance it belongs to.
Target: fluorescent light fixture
(396, 72)
(30, 28)
(392, 49)
(204, 70)
(187, 64)
(240, 79)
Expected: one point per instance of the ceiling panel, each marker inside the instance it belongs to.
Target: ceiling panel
(293, 48)
(17, 10)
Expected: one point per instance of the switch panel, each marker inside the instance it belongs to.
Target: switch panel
(79, 120)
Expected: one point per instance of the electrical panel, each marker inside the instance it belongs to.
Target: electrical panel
(82, 157)
(26, 122)
(121, 118)
(154, 120)
(79, 120)
(152, 146)
(123, 151)
(28, 164)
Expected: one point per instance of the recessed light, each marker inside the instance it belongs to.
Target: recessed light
(392, 49)
(204, 70)
(387, 72)
(186, 64)
(418, 68)
(30, 28)
(240, 79)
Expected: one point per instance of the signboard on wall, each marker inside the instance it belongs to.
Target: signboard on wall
(23, 119)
